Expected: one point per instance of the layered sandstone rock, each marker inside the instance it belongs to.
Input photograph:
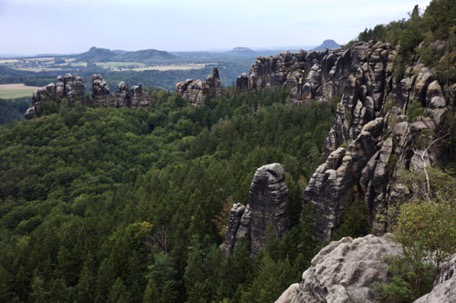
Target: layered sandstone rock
(267, 208)
(344, 271)
(372, 139)
(73, 89)
(70, 87)
(101, 94)
(197, 91)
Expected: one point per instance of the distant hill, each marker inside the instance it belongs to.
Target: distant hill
(329, 44)
(96, 54)
(105, 55)
(147, 55)
(243, 51)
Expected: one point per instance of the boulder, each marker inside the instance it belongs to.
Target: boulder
(344, 271)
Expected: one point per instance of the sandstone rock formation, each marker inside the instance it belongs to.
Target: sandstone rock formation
(69, 87)
(197, 91)
(136, 93)
(101, 94)
(73, 89)
(242, 83)
(372, 138)
(123, 96)
(344, 271)
(267, 208)
(444, 289)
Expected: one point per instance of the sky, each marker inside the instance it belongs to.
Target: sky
(31, 27)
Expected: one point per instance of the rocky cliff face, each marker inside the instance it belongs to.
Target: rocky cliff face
(267, 208)
(124, 97)
(376, 133)
(73, 89)
(197, 91)
(69, 87)
(344, 271)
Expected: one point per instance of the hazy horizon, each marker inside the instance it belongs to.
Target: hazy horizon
(71, 27)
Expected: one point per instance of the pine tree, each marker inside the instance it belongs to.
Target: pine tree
(39, 293)
(118, 293)
(85, 286)
(162, 286)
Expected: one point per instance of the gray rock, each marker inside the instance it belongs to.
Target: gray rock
(444, 290)
(234, 221)
(136, 93)
(123, 96)
(101, 93)
(197, 91)
(69, 87)
(267, 208)
(242, 83)
(30, 113)
(289, 294)
(268, 201)
(344, 271)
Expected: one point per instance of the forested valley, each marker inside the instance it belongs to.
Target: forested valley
(122, 205)
(131, 205)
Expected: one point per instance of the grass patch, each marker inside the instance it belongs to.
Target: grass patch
(120, 64)
(15, 91)
(171, 67)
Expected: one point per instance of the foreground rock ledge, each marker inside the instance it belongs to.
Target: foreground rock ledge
(345, 271)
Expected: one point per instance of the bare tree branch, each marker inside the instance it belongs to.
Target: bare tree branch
(422, 156)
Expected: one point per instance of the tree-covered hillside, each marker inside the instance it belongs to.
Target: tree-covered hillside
(428, 38)
(121, 205)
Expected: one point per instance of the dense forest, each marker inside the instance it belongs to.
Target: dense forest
(121, 205)
(109, 205)
(13, 110)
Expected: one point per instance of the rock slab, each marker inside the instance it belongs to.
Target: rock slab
(344, 271)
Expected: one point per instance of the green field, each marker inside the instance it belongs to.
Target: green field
(14, 91)
(120, 64)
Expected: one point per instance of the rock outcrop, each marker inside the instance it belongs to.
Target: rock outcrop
(70, 87)
(376, 133)
(101, 94)
(267, 208)
(197, 91)
(73, 89)
(444, 289)
(344, 271)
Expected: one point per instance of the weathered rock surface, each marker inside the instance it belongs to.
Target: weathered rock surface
(73, 89)
(444, 290)
(124, 97)
(197, 91)
(345, 271)
(371, 124)
(267, 208)
(70, 87)
(101, 94)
